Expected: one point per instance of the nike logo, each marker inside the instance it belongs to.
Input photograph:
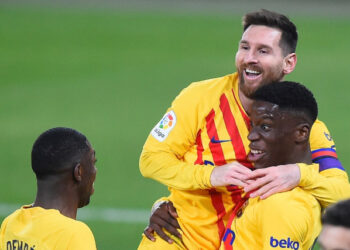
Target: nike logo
(213, 140)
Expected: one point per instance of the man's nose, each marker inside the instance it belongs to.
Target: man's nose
(250, 57)
(253, 135)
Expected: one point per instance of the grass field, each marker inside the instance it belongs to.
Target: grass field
(112, 74)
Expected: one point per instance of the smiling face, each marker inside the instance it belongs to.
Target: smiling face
(260, 59)
(89, 171)
(271, 135)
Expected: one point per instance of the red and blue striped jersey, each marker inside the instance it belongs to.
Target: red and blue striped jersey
(206, 127)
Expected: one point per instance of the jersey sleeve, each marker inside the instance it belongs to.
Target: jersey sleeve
(285, 223)
(329, 182)
(162, 155)
(82, 239)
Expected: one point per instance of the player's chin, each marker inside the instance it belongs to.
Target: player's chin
(84, 202)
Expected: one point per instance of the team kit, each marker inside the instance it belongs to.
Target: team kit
(247, 163)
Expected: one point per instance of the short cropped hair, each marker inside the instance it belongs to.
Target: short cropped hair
(337, 214)
(290, 96)
(57, 150)
(289, 38)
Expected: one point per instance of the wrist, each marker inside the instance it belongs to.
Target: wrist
(157, 205)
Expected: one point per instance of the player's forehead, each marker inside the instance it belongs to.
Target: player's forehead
(261, 35)
(262, 109)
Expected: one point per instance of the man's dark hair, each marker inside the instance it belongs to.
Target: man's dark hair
(338, 214)
(290, 96)
(271, 19)
(57, 150)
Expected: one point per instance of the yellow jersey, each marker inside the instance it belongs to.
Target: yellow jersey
(206, 127)
(290, 220)
(34, 228)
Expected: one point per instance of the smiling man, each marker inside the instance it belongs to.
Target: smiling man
(281, 116)
(63, 161)
(199, 148)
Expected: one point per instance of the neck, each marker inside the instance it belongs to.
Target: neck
(245, 101)
(56, 193)
(301, 154)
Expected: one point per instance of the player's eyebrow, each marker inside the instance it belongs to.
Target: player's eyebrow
(259, 45)
(267, 116)
(243, 41)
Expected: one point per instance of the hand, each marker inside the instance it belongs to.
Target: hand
(230, 174)
(163, 216)
(269, 181)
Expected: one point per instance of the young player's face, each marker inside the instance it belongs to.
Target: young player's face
(334, 237)
(271, 135)
(259, 59)
(89, 176)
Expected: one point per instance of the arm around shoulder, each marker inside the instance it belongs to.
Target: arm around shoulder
(327, 180)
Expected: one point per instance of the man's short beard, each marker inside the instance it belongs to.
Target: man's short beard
(243, 87)
(248, 92)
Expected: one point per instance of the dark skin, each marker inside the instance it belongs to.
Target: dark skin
(69, 190)
(163, 217)
(277, 137)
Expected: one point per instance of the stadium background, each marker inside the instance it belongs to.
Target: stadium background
(111, 68)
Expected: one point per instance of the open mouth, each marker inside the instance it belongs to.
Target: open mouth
(251, 74)
(255, 155)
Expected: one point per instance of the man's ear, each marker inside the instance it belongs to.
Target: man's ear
(289, 63)
(302, 133)
(77, 172)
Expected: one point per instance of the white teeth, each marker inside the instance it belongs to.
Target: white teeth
(249, 71)
(253, 151)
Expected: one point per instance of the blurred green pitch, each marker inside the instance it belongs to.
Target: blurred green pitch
(112, 74)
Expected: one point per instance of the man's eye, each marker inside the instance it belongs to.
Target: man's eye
(265, 127)
(244, 47)
(263, 51)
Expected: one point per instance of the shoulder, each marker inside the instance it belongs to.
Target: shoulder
(75, 226)
(320, 136)
(213, 86)
(83, 227)
(11, 217)
(292, 216)
(296, 195)
(296, 202)
(81, 236)
(319, 127)
(320, 130)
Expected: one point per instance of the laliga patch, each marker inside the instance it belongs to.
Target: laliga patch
(163, 128)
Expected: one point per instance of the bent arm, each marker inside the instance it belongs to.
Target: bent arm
(163, 157)
(327, 186)
(329, 183)
(168, 170)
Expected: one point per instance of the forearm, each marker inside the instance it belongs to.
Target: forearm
(328, 186)
(170, 171)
